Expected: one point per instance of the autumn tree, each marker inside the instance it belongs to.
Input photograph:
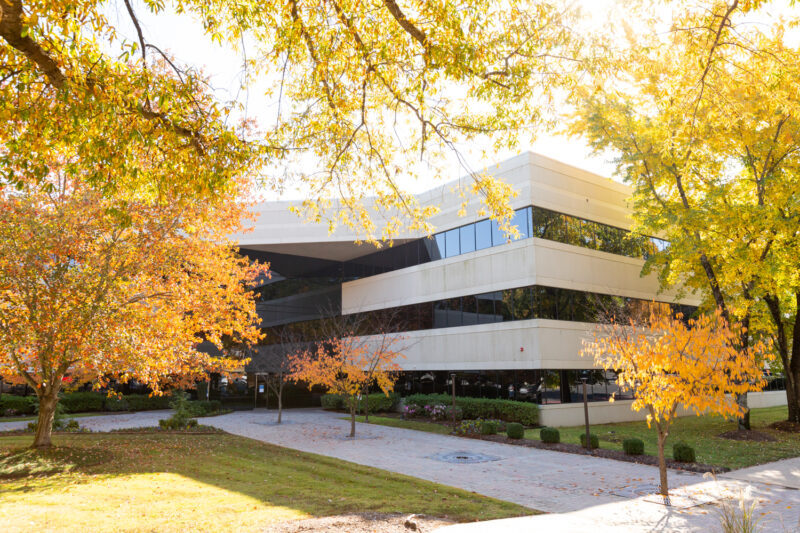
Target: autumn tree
(350, 361)
(94, 289)
(368, 92)
(704, 119)
(671, 362)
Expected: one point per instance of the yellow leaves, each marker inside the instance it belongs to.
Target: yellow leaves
(668, 362)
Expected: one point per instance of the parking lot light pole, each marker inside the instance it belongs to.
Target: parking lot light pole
(453, 381)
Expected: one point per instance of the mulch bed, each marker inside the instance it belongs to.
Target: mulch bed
(361, 523)
(617, 455)
(785, 425)
(752, 435)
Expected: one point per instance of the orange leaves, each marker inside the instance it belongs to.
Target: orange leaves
(348, 365)
(668, 362)
(87, 294)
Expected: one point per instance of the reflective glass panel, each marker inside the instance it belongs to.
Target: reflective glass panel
(452, 246)
(467, 234)
(483, 234)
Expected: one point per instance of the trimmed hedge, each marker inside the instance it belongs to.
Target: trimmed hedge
(488, 428)
(23, 405)
(514, 430)
(633, 446)
(550, 435)
(507, 410)
(683, 453)
(594, 443)
(143, 402)
(83, 402)
(377, 402)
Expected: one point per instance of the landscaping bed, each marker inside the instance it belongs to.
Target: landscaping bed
(617, 455)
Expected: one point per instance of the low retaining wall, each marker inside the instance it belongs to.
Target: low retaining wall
(571, 414)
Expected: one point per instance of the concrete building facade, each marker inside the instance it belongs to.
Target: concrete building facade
(505, 319)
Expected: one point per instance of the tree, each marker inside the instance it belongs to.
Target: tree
(668, 362)
(94, 289)
(350, 363)
(366, 91)
(704, 119)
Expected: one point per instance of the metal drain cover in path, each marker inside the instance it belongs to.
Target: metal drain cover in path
(463, 457)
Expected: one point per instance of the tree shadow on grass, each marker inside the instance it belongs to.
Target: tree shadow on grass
(278, 477)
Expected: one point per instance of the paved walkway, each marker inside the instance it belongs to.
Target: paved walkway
(589, 493)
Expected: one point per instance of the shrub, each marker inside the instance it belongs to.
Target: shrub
(633, 446)
(206, 407)
(182, 418)
(116, 404)
(683, 453)
(472, 408)
(23, 405)
(332, 401)
(143, 402)
(83, 402)
(514, 430)
(449, 412)
(550, 435)
(594, 443)
(488, 427)
(379, 402)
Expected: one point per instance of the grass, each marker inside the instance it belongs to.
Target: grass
(702, 433)
(430, 427)
(67, 416)
(178, 482)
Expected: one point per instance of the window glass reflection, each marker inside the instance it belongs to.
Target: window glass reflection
(467, 234)
(452, 245)
(483, 234)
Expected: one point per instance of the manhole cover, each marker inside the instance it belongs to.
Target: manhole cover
(463, 457)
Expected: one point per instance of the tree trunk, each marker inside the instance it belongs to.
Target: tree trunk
(744, 420)
(793, 395)
(44, 426)
(353, 406)
(280, 400)
(366, 406)
(662, 467)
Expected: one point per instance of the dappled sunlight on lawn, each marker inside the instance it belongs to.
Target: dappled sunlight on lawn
(151, 501)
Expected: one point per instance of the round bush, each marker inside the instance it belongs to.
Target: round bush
(515, 430)
(683, 453)
(550, 435)
(488, 427)
(593, 442)
(633, 446)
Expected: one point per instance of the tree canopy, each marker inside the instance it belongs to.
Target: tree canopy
(704, 119)
(366, 89)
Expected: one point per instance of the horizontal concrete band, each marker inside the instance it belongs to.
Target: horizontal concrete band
(571, 414)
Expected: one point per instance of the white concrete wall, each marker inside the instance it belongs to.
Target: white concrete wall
(571, 414)
(517, 264)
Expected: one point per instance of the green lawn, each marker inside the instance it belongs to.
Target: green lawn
(34, 417)
(701, 432)
(418, 425)
(174, 482)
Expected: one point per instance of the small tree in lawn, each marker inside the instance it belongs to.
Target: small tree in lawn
(670, 362)
(348, 365)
